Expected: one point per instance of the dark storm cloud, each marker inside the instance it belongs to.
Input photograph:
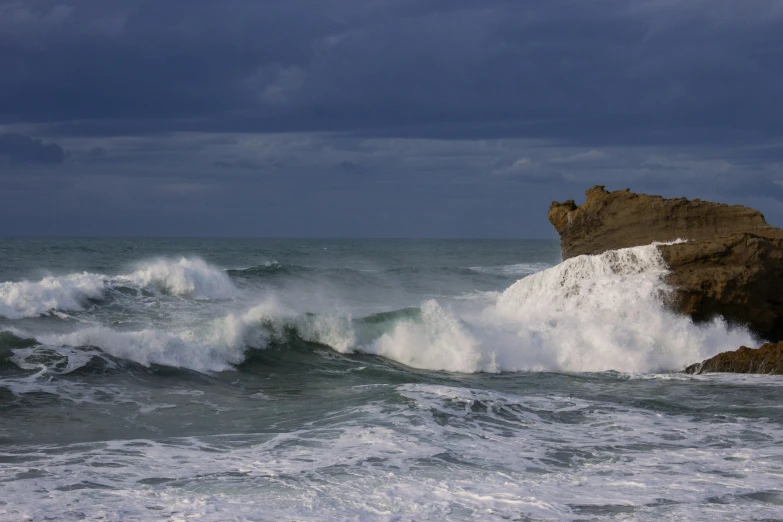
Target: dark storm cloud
(21, 149)
(382, 117)
(238, 164)
(529, 171)
(97, 154)
(637, 71)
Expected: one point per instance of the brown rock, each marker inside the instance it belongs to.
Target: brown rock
(622, 219)
(738, 277)
(730, 265)
(768, 360)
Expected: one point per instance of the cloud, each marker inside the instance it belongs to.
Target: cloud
(351, 167)
(469, 105)
(238, 164)
(530, 171)
(97, 154)
(619, 71)
(18, 148)
(582, 157)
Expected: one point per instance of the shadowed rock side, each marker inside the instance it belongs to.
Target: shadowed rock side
(731, 264)
(738, 277)
(767, 360)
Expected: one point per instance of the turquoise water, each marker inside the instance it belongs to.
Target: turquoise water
(239, 379)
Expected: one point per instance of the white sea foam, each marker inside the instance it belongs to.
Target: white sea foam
(213, 346)
(30, 299)
(440, 453)
(151, 346)
(334, 330)
(589, 313)
(185, 277)
(518, 269)
(437, 342)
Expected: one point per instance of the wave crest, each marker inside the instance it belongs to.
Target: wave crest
(214, 346)
(67, 293)
(192, 278)
(587, 314)
(186, 277)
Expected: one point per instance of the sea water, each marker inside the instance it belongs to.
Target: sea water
(242, 379)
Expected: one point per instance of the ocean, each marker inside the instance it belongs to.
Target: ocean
(259, 379)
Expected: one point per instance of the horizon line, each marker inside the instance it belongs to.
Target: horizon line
(442, 238)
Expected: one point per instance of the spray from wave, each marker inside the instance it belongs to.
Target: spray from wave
(191, 278)
(587, 314)
(214, 346)
(30, 299)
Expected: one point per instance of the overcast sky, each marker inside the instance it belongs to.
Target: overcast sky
(378, 118)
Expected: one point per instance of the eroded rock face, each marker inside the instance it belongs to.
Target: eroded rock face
(738, 277)
(767, 360)
(622, 219)
(730, 265)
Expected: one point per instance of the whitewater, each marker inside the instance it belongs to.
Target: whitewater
(368, 380)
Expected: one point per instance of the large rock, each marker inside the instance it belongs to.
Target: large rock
(768, 359)
(621, 219)
(738, 277)
(730, 265)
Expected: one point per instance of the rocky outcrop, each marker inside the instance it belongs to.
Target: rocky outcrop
(622, 219)
(730, 265)
(738, 277)
(768, 360)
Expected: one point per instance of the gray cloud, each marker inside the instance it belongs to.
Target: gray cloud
(18, 148)
(638, 71)
(524, 169)
(238, 164)
(438, 117)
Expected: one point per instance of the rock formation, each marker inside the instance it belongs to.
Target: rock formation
(730, 265)
(622, 219)
(768, 360)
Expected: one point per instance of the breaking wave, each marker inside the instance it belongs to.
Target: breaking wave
(191, 278)
(587, 314)
(187, 277)
(66, 293)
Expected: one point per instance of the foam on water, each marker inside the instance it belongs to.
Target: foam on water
(518, 269)
(185, 277)
(300, 433)
(420, 451)
(192, 278)
(30, 299)
(438, 342)
(587, 314)
(213, 346)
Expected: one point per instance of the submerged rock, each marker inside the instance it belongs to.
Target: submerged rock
(730, 265)
(767, 360)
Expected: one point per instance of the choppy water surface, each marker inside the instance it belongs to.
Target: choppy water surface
(367, 380)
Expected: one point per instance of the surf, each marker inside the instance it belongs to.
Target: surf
(186, 277)
(587, 314)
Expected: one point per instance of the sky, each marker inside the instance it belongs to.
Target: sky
(378, 118)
